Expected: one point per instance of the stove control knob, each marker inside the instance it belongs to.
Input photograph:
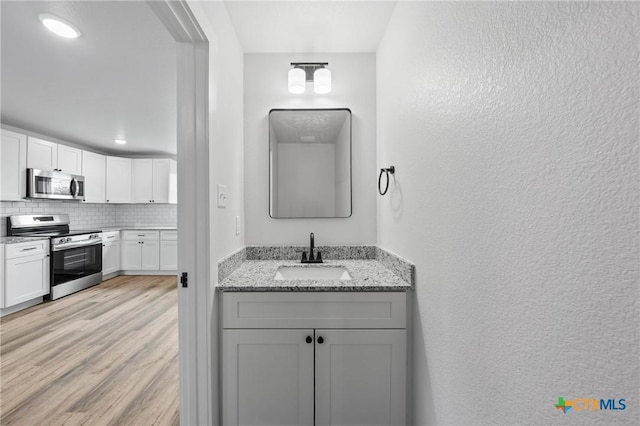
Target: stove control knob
(68, 240)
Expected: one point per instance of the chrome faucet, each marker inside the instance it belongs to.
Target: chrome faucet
(312, 257)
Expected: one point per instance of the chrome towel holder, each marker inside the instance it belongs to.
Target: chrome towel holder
(387, 171)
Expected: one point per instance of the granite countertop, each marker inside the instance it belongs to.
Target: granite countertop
(366, 274)
(15, 240)
(139, 228)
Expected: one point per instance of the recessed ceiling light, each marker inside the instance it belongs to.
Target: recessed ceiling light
(120, 141)
(59, 26)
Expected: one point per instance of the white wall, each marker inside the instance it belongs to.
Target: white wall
(225, 152)
(265, 88)
(514, 131)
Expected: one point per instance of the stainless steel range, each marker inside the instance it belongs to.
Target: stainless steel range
(76, 256)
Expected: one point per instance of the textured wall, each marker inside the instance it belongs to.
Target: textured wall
(265, 87)
(514, 131)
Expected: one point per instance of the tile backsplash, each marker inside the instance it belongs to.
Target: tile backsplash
(86, 215)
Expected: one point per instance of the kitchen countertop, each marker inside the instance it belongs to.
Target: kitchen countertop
(15, 240)
(139, 228)
(367, 275)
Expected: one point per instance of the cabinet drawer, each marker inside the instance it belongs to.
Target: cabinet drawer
(168, 235)
(13, 251)
(141, 235)
(313, 310)
(110, 236)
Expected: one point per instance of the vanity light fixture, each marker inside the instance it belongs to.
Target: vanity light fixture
(59, 26)
(312, 72)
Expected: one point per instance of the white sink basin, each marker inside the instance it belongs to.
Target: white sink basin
(312, 273)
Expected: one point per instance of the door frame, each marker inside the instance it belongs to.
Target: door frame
(194, 307)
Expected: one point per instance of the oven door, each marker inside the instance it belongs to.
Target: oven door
(72, 263)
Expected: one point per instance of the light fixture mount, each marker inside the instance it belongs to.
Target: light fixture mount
(314, 72)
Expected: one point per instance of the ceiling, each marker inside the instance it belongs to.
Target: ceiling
(309, 26)
(116, 81)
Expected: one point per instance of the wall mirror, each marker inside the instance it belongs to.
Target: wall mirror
(309, 163)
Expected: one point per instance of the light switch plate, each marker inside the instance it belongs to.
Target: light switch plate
(222, 196)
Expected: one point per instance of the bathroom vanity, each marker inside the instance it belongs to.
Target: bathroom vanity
(305, 351)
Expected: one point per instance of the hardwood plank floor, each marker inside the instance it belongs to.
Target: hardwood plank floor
(107, 355)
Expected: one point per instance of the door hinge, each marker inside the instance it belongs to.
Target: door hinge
(184, 280)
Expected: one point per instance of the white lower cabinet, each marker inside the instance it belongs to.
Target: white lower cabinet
(140, 250)
(168, 250)
(152, 252)
(337, 372)
(26, 272)
(110, 252)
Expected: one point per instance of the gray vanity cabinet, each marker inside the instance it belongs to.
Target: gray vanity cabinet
(285, 354)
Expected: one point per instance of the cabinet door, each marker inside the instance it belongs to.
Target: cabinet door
(267, 377)
(42, 154)
(110, 257)
(131, 258)
(142, 180)
(13, 166)
(161, 173)
(94, 170)
(26, 278)
(118, 180)
(360, 377)
(150, 255)
(168, 255)
(69, 160)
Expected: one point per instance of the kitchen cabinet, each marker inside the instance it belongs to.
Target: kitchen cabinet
(26, 272)
(94, 170)
(110, 253)
(153, 180)
(140, 251)
(13, 166)
(314, 358)
(46, 155)
(118, 187)
(168, 250)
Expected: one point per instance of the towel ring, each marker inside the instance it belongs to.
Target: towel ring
(391, 170)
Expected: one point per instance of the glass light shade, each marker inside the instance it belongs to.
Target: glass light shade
(58, 26)
(322, 81)
(297, 80)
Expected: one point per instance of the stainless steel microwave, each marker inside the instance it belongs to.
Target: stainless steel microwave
(54, 185)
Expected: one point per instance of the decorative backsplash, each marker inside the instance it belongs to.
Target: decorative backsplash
(86, 215)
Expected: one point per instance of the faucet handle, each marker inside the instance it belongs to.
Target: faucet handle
(319, 257)
(304, 256)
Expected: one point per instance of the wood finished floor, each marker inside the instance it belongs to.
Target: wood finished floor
(107, 355)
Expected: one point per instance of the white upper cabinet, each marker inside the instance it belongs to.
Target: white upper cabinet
(118, 180)
(154, 180)
(45, 155)
(142, 180)
(94, 170)
(13, 166)
(69, 160)
(164, 181)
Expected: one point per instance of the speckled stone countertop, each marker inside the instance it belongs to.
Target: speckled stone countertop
(15, 240)
(367, 274)
(139, 228)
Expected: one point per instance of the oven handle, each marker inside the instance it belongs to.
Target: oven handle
(93, 242)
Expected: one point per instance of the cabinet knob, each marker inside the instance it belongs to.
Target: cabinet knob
(320, 340)
(308, 339)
